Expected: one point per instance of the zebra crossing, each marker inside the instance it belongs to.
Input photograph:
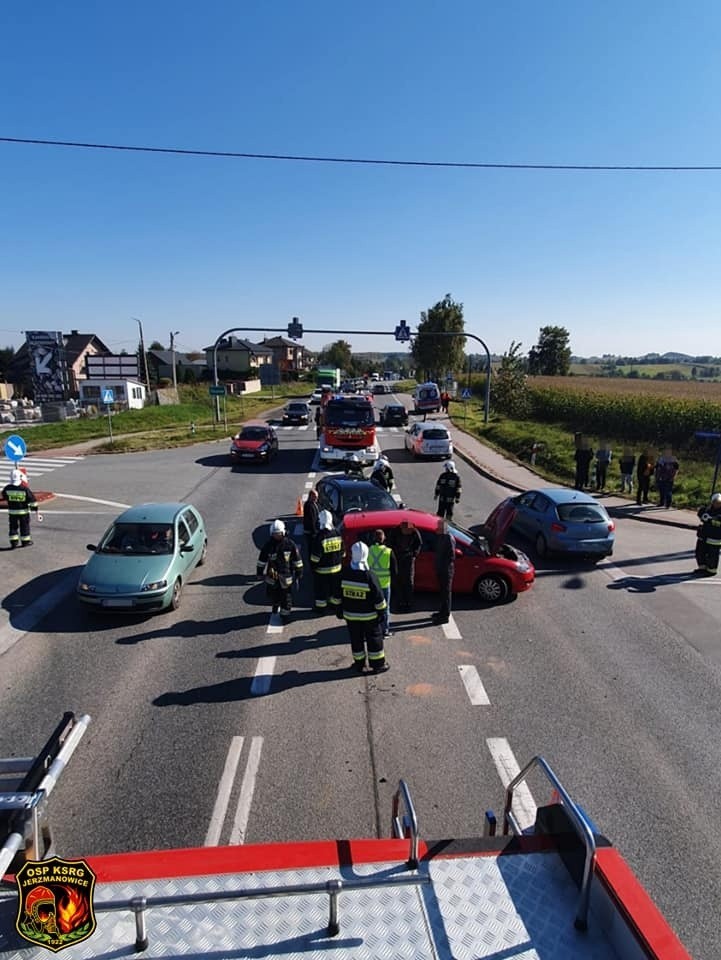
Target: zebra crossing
(36, 466)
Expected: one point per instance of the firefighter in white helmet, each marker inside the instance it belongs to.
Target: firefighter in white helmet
(280, 565)
(20, 500)
(708, 542)
(448, 490)
(382, 475)
(361, 606)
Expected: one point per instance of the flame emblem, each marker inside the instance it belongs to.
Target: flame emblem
(55, 902)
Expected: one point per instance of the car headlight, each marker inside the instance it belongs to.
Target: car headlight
(523, 566)
(87, 587)
(155, 585)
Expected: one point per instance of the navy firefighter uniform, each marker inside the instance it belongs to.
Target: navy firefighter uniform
(361, 606)
(326, 560)
(20, 500)
(280, 565)
(448, 490)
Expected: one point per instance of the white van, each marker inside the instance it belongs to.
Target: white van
(426, 398)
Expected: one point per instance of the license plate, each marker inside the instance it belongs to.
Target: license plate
(120, 602)
(247, 456)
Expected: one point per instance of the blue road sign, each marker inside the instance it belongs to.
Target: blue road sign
(466, 395)
(108, 396)
(15, 448)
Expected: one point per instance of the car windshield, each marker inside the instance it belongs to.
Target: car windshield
(396, 410)
(435, 434)
(297, 407)
(136, 539)
(252, 433)
(581, 513)
(370, 498)
(348, 414)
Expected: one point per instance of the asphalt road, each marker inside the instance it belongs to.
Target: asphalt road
(211, 724)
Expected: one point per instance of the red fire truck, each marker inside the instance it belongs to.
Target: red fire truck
(348, 428)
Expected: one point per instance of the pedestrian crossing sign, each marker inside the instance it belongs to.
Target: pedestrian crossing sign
(466, 395)
(108, 396)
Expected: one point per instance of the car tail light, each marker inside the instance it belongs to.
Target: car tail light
(558, 528)
(611, 526)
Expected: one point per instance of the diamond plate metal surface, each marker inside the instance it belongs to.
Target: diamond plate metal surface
(514, 907)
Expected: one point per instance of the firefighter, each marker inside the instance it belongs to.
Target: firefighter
(353, 466)
(361, 606)
(20, 500)
(448, 490)
(382, 475)
(708, 543)
(318, 422)
(326, 559)
(280, 565)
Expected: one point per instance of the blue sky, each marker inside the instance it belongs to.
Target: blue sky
(627, 262)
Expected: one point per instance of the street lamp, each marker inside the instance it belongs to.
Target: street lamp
(145, 356)
(172, 360)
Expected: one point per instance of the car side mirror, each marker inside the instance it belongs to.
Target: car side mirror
(459, 553)
(186, 548)
(91, 546)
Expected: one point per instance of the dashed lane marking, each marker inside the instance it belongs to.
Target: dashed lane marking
(217, 818)
(524, 806)
(275, 624)
(451, 630)
(263, 676)
(474, 687)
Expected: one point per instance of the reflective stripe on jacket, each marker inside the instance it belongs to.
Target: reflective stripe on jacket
(361, 597)
(379, 561)
(327, 552)
(20, 500)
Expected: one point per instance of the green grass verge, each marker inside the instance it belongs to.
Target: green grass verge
(554, 460)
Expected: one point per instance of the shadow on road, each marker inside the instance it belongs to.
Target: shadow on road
(651, 584)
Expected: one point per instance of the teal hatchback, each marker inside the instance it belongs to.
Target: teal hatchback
(144, 558)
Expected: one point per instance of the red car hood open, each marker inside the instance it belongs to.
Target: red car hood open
(498, 524)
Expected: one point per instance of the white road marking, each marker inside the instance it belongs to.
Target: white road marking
(217, 818)
(451, 630)
(263, 676)
(107, 503)
(275, 624)
(474, 687)
(247, 787)
(312, 475)
(524, 806)
(308, 484)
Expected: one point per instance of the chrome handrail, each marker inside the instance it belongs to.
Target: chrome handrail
(407, 825)
(578, 821)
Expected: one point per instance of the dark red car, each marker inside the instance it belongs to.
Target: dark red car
(255, 442)
(485, 566)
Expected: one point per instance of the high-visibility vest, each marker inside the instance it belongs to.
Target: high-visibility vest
(379, 561)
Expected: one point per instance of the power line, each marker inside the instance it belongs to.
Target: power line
(468, 165)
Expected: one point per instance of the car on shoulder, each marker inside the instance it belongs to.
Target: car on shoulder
(254, 443)
(144, 558)
(563, 520)
(297, 411)
(429, 439)
(486, 567)
(393, 415)
(352, 494)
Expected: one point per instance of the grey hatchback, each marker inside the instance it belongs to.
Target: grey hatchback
(561, 520)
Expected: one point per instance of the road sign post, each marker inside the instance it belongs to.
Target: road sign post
(109, 400)
(217, 390)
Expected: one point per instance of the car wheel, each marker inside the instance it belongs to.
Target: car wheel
(203, 554)
(491, 588)
(175, 596)
(541, 546)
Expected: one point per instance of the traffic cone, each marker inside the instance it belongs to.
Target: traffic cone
(299, 507)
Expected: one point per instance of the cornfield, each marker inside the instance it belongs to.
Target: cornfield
(661, 413)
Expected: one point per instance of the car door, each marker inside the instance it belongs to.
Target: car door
(524, 520)
(426, 578)
(197, 535)
(537, 517)
(412, 437)
(187, 559)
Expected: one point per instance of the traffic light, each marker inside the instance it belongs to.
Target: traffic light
(295, 329)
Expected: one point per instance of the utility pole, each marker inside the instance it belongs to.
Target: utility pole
(145, 356)
(172, 359)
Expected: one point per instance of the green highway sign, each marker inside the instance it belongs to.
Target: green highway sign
(217, 390)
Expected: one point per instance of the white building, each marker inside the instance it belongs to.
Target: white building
(127, 394)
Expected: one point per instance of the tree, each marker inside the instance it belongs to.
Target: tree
(509, 391)
(336, 354)
(551, 356)
(6, 359)
(437, 355)
(156, 345)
